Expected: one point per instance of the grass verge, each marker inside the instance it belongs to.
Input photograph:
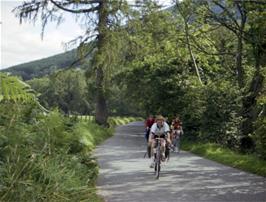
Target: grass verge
(113, 121)
(118, 120)
(245, 162)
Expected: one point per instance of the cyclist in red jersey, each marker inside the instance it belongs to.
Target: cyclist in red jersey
(148, 124)
(176, 133)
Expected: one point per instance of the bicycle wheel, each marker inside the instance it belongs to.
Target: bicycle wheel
(157, 166)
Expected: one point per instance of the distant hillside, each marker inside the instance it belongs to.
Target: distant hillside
(42, 67)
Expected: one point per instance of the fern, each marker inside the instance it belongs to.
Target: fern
(13, 89)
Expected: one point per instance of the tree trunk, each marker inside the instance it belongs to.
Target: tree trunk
(239, 54)
(101, 114)
(239, 66)
(101, 108)
(249, 102)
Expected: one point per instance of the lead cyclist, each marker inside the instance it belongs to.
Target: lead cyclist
(159, 129)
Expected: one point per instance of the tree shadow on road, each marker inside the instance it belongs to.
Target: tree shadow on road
(125, 176)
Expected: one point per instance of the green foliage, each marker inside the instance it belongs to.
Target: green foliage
(159, 76)
(91, 134)
(40, 159)
(44, 165)
(260, 125)
(13, 89)
(220, 120)
(260, 136)
(66, 90)
(192, 108)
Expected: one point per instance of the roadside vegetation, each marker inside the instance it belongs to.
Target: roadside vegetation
(246, 162)
(45, 156)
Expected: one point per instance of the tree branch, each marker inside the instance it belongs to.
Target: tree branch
(199, 48)
(251, 1)
(89, 10)
(231, 16)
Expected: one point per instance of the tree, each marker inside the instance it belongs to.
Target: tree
(233, 16)
(256, 37)
(107, 15)
(66, 90)
(242, 18)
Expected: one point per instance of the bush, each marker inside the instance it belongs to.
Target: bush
(192, 110)
(260, 132)
(220, 120)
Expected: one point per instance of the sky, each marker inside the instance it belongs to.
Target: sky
(22, 43)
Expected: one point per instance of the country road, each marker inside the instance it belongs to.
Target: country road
(125, 175)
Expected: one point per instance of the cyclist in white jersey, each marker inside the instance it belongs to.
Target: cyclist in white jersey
(159, 129)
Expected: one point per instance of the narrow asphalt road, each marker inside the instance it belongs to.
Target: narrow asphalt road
(125, 175)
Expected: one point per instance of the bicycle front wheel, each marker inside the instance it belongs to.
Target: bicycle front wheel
(157, 166)
(157, 170)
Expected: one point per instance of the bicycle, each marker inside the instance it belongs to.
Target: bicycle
(157, 160)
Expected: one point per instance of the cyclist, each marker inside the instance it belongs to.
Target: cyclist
(176, 132)
(148, 124)
(159, 128)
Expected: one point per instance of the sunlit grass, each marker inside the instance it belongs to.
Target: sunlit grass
(247, 162)
(118, 120)
(113, 121)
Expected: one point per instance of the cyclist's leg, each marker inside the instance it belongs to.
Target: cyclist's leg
(172, 135)
(147, 134)
(178, 144)
(178, 140)
(167, 150)
(148, 143)
(174, 140)
(153, 152)
(149, 150)
(154, 146)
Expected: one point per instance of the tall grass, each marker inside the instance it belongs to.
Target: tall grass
(49, 160)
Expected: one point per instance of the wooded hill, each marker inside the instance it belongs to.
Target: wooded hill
(43, 67)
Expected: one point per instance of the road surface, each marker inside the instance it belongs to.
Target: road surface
(125, 175)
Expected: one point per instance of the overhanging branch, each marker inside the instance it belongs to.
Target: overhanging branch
(88, 10)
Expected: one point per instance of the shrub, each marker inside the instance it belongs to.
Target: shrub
(220, 120)
(260, 132)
